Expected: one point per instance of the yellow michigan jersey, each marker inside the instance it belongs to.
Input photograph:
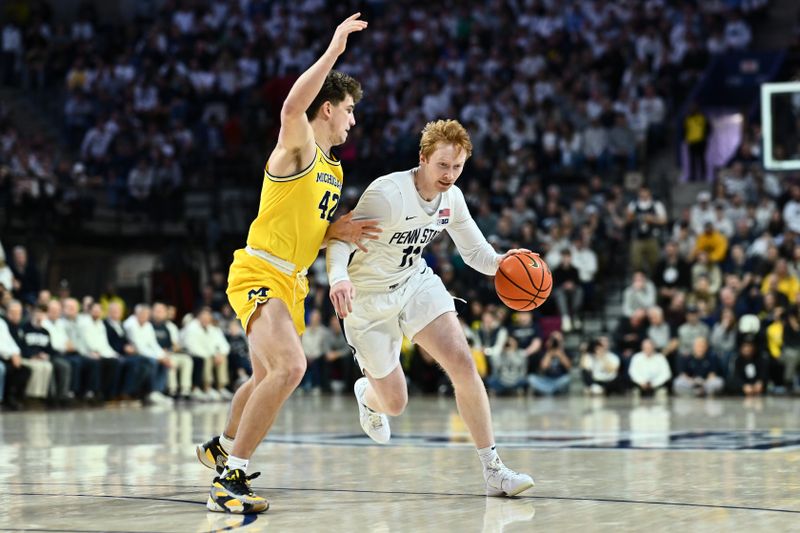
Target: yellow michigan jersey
(284, 239)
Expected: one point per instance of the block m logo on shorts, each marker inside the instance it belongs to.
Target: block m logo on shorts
(259, 293)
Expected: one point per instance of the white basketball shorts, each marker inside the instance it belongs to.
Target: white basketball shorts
(380, 319)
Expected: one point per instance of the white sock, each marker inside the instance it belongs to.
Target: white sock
(236, 463)
(487, 455)
(225, 443)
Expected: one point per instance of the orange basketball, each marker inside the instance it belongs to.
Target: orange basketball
(523, 281)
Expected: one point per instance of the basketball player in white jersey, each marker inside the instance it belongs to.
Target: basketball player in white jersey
(390, 292)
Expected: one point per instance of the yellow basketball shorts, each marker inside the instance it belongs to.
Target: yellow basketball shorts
(253, 281)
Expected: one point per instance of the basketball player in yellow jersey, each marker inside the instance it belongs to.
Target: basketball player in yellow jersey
(267, 284)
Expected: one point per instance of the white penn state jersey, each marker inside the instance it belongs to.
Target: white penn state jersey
(409, 223)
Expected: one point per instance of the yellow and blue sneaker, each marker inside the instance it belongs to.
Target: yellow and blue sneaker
(231, 493)
(212, 455)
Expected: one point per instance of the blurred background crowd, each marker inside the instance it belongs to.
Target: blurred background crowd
(132, 146)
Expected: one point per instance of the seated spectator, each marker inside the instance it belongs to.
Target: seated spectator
(167, 335)
(783, 345)
(585, 260)
(782, 280)
(723, 340)
(26, 276)
(699, 372)
(600, 369)
(6, 275)
(701, 213)
(629, 336)
(713, 243)
(672, 274)
(749, 370)
(34, 340)
(339, 356)
(41, 369)
(568, 292)
(491, 336)
(702, 296)
(143, 337)
(138, 371)
(552, 368)
(649, 371)
(658, 331)
(690, 330)
(14, 375)
(640, 294)
(95, 339)
(704, 268)
(509, 369)
(62, 347)
(527, 333)
(88, 386)
(647, 218)
(239, 357)
(206, 343)
(314, 340)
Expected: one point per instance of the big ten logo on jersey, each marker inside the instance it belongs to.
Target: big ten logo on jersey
(330, 200)
(260, 293)
(444, 216)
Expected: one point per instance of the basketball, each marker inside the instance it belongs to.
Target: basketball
(523, 281)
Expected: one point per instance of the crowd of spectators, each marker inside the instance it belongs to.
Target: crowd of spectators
(718, 310)
(187, 93)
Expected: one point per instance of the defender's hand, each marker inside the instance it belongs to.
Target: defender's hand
(349, 230)
(342, 294)
(351, 24)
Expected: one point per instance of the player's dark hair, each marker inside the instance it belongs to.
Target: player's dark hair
(335, 88)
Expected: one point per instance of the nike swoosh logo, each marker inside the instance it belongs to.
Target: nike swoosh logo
(409, 218)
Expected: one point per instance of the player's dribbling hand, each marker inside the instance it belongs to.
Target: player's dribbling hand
(342, 294)
(349, 230)
(514, 251)
(350, 25)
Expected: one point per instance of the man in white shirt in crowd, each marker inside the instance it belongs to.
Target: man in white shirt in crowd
(649, 371)
(600, 368)
(391, 292)
(209, 349)
(143, 337)
(95, 338)
(93, 366)
(168, 338)
(61, 323)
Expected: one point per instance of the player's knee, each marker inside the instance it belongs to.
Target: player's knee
(463, 368)
(289, 373)
(294, 371)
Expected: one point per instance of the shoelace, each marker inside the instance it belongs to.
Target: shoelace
(241, 484)
(375, 420)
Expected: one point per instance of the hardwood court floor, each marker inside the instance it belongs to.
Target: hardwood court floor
(600, 465)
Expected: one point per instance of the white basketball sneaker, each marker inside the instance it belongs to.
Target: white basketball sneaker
(502, 481)
(375, 425)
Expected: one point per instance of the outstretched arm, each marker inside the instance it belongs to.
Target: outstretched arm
(295, 147)
(471, 244)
